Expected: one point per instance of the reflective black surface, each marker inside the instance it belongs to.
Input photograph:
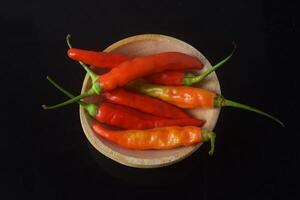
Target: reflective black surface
(45, 154)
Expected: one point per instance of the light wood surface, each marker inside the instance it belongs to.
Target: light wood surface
(145, 45)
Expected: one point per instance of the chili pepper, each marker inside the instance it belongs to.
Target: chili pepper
(103, 59)
(157, 138)
(190, 97)
(126, 117)
(110, 60)
(182, 78)
(144, 103)
(96, 59)
(133, 69)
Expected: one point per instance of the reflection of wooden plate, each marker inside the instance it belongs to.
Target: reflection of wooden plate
(144, 45)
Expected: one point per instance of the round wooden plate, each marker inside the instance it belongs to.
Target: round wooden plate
(141, 45)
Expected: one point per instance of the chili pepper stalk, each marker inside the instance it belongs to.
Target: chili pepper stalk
(190, 97)
(157, 138)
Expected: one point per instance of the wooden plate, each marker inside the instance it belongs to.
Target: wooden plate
(144, 45)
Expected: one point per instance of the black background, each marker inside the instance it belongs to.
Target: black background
(45, 154)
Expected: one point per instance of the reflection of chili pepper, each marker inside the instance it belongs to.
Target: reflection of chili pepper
(157, 138)
(126, 117)
(144, 103)
(134, 69)
(190, 97)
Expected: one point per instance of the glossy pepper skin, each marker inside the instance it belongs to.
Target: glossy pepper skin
(144, 103)
(131, 70)
(181, 78)
(100, 60)
(180, 96)
(109, 60)
(170, 77)
(126, 117)
(103, 60)
(143, 66)
(191, 97)
(157, 138)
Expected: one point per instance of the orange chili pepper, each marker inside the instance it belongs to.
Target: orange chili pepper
(157, 138)
(190, 97)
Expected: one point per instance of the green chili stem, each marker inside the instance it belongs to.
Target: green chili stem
(70, 101)
(188, 80)
(220, 102)
(61, 89)
(68, 38)
(90, 108)
(209, 136)
(92, 74)
(95, 89)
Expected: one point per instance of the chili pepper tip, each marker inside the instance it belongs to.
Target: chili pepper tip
(92, 74)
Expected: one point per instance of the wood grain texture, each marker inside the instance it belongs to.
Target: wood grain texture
(140, 45)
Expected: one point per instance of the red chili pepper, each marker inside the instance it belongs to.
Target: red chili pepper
(143, 66)
(144, 103)
(126, 117)
(102, 60)
(170, 77)
(134, 69)
(190, 97)
(157, 138)
(99, 59)
(178, 78)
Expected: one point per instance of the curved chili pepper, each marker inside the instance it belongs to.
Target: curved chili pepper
(190, 97)
(103, 59)
(157, 138)
(178, 78)
(95, 58)
(144, 103)
(126, 117)
(143, 66)
(100, 60)
(133, 69)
